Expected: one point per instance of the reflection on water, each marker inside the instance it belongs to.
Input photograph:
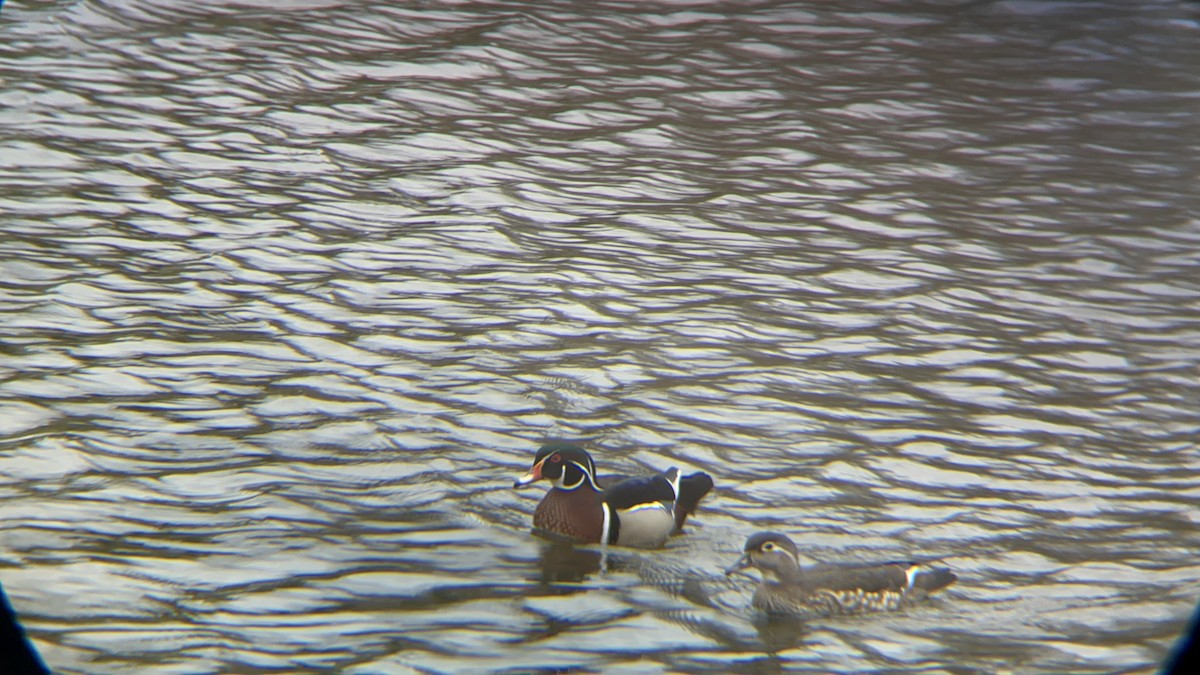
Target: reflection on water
(563, 563)
(290, 292)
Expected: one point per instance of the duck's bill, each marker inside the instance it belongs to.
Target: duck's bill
(739, 566)
(534, 475)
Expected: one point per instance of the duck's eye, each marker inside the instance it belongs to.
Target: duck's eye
(768, 547)
(556, 458)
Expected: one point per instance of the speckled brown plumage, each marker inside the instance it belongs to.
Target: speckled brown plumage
(571, 514)
(806, 601)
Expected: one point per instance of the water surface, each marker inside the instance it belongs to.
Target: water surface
(291, 291)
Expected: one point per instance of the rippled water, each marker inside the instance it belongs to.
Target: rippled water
(291, 291)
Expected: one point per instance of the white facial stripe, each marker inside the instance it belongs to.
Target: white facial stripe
(560, 482)
(563, 481)
(587, 473)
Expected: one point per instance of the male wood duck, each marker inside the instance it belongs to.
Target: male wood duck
(640, 512)
(825, 590)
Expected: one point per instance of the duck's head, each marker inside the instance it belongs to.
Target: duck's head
(566, 465)
(771, 553)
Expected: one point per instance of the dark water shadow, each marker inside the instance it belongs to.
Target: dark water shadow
(779, 633)
(563, 565)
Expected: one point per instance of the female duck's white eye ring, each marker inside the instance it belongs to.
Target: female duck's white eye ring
(768, 547)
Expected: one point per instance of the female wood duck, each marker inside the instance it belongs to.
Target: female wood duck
(640, 512)
(825, 590)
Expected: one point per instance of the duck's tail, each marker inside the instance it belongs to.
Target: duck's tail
(933, 579)
(692, 489)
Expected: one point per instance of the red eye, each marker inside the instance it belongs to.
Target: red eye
(555, 458)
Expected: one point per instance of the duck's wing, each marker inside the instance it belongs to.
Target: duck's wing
(638, 491)
(691, 489)
(877, 577)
